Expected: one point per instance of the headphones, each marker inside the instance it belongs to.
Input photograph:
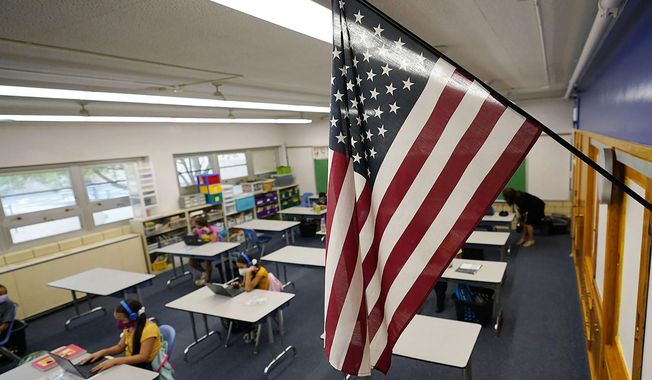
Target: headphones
(248, 260)
(132, 316)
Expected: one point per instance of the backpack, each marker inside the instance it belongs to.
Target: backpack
(161, 363)
(275, 284)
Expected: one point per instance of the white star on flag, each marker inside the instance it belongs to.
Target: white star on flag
(386, 69)
(378, 30)
(374, 94)
(393, 107)
(333, 121)
(371, 75)
(358, 17)
(407, 84)
(381, 131)
(390, 89)
(340, 138)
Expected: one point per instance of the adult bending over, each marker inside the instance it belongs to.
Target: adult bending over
(530, 208)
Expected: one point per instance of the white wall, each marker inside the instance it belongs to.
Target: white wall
(30, 144)
(315, 134)
(548, 163)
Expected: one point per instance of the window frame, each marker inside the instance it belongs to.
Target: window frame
(83, 207)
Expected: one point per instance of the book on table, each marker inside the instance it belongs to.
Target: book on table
(69, 352)
(468, 268)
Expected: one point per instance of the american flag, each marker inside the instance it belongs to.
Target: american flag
(419, 150)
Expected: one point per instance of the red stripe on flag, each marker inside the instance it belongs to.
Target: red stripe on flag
(448, 102)
(464, 152)
(339, 166)
(489, 189)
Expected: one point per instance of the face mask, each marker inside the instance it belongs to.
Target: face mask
(123, 326)
(4, 298)
(242, 271)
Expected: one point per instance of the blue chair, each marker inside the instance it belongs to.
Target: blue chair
(169, 335)
(255, 240)
(3, 349)
(305, 199)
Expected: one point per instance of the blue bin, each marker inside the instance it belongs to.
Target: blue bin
(245, 203)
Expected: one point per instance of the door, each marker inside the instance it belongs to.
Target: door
(303, 168)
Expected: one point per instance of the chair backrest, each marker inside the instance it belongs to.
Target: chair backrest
(305, 199)
(251, 235)
(169, 334)
(11, 327)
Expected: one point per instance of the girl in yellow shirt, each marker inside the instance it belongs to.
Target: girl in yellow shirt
(140, 340)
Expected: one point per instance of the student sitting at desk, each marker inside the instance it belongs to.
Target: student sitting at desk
(322, 199)
(254, 275)
(7, 311)
(531, 210)
(208, 233)
(140, 340)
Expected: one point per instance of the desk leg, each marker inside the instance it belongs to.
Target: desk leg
(468, 373)
(258, 328)
(183, 274)
(228, 334)
(287, 236)
(498, 311)
(197, 340)
(277, 359)
(78, 313)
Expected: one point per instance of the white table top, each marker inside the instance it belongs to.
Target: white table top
(122, 372)
(206, 250)
(247, 307)
(101, 281)
(292, 254)
(491, 272)
(298, 210)
(320, 233)
(488, 238)
(497, 218)
(268, 225)
(437, 340)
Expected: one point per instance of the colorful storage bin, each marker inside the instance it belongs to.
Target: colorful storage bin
(208, 179)
(244, 203)
(210, 189)
(214, 199)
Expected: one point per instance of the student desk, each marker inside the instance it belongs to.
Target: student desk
(496, 220)
(271, 226)
(122, 372)
(295, 255)
(208, 251)
(101, 282)
(438, 341)
(303, 212)
(490, 275)
(250, 307)
(489, 240)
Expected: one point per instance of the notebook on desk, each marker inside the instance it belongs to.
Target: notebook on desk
(469, 268)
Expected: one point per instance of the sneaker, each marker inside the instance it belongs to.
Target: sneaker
(201, 282)
(247, 338)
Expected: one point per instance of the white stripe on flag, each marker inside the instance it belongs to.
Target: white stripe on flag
(455, 129)
(339, 228)
(498, 140)
(419, 115)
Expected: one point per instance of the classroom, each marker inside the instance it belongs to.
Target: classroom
(184, 195)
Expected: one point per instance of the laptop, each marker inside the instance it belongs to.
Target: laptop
(224, 290)
(83, 371)
(193, 240)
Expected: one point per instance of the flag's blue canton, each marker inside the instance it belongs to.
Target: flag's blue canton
(378, 75)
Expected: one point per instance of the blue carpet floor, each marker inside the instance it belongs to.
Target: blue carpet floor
(541, 336)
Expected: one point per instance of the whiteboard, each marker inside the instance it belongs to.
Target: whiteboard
(548, 170)
(601, 248)
(630, 272)
(303, 167)
(647, 340)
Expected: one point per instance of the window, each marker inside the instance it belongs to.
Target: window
(233, 165)
(42, 203)
(107, 190)
(36, 191)
(264, 160)
(188, 168)
(38, 204)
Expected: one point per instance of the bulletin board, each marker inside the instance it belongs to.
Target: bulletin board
(320, 156)
(517, 181)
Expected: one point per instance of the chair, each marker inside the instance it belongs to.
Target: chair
(169, 335)
(305, 199)
(5, 350)
(255, 240)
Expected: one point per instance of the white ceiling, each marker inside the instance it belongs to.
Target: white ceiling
(151, 46)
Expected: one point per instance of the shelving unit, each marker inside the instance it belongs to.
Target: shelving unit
(288, 196)
(266, 204)
(142, 189)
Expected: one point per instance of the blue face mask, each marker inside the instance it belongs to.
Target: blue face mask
(4, 298)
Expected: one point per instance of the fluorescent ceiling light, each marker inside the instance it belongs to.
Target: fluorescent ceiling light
(51, 93)
(303, 16)
(134, 119)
